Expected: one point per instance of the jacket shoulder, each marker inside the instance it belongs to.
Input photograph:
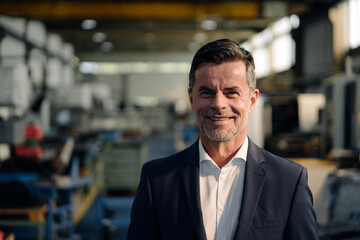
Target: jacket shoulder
(281, 162)
(284, 172)
(271, 161)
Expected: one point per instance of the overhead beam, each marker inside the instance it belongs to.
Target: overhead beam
(58, 10)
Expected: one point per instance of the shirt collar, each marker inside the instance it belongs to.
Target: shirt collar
(240, 154)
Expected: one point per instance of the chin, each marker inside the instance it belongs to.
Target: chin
(219, 136)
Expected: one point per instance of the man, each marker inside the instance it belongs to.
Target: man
(223, 186)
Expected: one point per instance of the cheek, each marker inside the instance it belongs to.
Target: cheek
(199, 105)
(240, 107)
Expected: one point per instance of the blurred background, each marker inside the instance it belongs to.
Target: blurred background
(90, 90)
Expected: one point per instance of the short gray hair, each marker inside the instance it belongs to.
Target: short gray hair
(220, 51)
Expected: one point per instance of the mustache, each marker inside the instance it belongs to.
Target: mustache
(212, 114)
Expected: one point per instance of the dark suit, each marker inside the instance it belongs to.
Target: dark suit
(277, 202)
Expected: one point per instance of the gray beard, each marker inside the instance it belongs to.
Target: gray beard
(217, 137)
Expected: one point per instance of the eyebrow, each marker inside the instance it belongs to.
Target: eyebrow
(233, 88)
(227, 88)
(202, 88)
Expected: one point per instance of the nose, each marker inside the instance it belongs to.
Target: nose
(218, 101)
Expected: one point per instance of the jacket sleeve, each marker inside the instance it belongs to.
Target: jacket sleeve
(302, 223)
(143, 221)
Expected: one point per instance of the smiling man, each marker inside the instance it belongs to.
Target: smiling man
(223, 186)
(222, 101)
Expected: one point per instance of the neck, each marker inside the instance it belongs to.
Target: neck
(222, 152)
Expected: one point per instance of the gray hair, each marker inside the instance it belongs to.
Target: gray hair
(220, 51)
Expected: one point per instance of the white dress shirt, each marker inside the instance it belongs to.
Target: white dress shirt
(221, 193)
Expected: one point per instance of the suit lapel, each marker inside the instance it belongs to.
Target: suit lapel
(254, 181)
(190, 175)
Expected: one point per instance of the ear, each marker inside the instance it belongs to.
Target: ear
(253, 98)
(190, 98)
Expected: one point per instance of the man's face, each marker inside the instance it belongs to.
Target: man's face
(221, 100)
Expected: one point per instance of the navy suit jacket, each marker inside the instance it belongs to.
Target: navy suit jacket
(277, 202)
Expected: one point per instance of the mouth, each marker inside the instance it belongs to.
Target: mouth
(218, 119)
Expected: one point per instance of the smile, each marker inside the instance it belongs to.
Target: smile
(220, 119)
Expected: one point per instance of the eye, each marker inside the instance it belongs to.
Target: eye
(232, 93)
(205, 92)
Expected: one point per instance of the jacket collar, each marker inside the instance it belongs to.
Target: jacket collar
(190, 175)
(254, 181)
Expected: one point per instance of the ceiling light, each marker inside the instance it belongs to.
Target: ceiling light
(107, 47)
(208, 25)
(112, 68)
(88, 24)
(99, 37)
(200, 37)
(88, 67)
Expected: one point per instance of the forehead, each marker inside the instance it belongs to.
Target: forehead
(233, 73)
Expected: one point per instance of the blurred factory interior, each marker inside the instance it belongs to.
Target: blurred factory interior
(90, 90)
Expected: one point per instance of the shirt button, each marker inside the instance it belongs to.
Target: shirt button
(221, 209)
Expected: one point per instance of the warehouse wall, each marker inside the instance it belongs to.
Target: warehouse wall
(170, 86)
